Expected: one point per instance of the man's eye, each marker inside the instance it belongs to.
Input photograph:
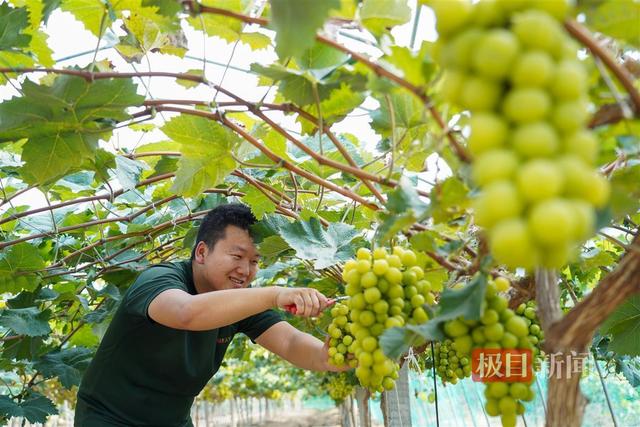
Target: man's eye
(254, 262)
(236, 256)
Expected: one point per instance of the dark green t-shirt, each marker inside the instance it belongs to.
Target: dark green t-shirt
(147, 374)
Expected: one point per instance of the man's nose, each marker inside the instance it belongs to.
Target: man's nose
(245, 268)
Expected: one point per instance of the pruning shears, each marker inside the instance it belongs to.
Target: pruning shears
(291, 308)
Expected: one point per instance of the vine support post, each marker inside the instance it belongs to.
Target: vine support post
(362, 400)
(396, 403)
(565, 402)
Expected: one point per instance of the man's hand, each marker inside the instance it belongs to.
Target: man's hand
(307, 301)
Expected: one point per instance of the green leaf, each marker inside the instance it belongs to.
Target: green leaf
(321, 59)
(49, 6)
(404, 208)
(35, 408)
(258, 202)
(396, 341)
(625, 192)
(12, 23)
(448, 199)
(624, 327)
(206, 148)
(618, 19)
(273, 246)
(466, 303)
(294, 86)
(226, 28)
(296, 23)
(312, 242)
(14, 285)
(85, 337)
(630, 368)
(21, 257)
(190, 83)
(90, 12)
(26, 321)
(51, 157)
(340, 102)
(67, 364)
(408, 112)
(417, 68)
(595, 258)
(63, 122)
(128, 171)
(255, 41)
(378, 15)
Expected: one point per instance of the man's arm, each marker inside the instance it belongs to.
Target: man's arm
(180, 310)
(301, 349)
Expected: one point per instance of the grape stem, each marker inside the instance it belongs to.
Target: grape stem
(580, 33)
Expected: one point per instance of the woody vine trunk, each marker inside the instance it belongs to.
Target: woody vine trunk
(568, 337)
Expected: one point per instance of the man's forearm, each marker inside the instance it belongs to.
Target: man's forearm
(213, 310)
(306, 352)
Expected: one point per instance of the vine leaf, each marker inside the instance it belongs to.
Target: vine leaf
(292, 84)
(51, 157)
(296, 23)
(35, 408)
(226, 28)
(625, 194)
(12, 22)
(618, 19)
(418, 69)
(312, 242)
(404, 208)
(624, 327)
(258, 202)
(466, 302)
(67, 364)
(378, 15)
(89, 12)
(630, 368)
(26, 321)
(321, 59)
(128, 171)
(340, 102)
(20, 257)
(63, 122)
(206, 148)
(272, 246)
(188, 84)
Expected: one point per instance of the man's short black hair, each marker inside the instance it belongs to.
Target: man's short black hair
(216, 221)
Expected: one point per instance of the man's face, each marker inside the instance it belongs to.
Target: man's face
(233, 262)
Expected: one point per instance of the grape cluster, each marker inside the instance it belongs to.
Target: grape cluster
(385, 290)
(451, 365)
(536, 334)
(512, 65)
(340, 386)
(341, 340)
(498, 328)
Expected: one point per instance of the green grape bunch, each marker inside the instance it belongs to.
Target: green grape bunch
(340, 340)
(514, 67)
(385, 290)
(498, 328)
(340, 386)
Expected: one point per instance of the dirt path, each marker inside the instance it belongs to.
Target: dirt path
(304, 418)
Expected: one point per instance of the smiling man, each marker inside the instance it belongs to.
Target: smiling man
(174, 324)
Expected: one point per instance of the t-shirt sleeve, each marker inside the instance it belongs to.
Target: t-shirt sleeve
(255, 325)
(149, 285)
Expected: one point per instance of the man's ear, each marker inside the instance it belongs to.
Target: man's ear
(201, 252)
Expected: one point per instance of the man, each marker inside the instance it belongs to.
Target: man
(174, 324)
